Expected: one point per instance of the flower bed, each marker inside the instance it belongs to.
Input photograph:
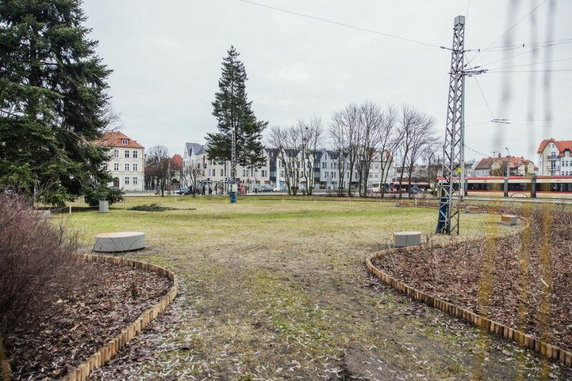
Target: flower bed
(522, 281)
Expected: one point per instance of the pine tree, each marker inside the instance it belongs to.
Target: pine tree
(232, 109)
(53, 100)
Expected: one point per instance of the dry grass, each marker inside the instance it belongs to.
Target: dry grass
(278, 289)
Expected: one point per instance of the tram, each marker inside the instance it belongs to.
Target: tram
(558, 187)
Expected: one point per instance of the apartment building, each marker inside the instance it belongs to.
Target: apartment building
(126, 161)
(498, 166)
(554, 157)
(216, 173)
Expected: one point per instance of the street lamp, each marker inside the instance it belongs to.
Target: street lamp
(507, 162)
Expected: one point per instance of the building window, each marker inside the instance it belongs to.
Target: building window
(134, 169)
(135, 154)
(116, 166)
(221, 173)
(126, 167)
(126, 181)
(126, 154)
(124, 141)
(115, 153)
(135, 181)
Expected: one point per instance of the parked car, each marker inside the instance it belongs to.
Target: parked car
(183, 190)
(265, 188)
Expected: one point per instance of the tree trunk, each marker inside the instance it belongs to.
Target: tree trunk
(401, 182)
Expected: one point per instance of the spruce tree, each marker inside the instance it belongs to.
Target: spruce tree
(232, 109)
(53, 100)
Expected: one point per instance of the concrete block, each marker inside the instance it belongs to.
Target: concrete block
(472, 209)
(509, 219)
(103, 206)
(404, 239)
(119, 242)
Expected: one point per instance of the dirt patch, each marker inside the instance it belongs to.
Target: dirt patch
(103, 300)
(521, 281)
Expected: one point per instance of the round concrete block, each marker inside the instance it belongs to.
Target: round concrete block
(403, 239)
(119, 241)
(509, 219)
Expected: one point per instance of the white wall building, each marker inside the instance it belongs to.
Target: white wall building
(213, 172)
(554, 158)
(126, 161)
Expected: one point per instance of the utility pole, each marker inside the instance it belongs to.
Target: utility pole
(233, 185)
(452, 187)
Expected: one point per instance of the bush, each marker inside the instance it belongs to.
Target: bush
(150, 208)
(111, 194)
(33, 251)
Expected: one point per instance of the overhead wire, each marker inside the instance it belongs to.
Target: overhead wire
(533, 64)
(529, 71)
(368, 30)
(509, 29)
(484, 98)
(535, 47)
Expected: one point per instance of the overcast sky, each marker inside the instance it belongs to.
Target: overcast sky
(166, 57)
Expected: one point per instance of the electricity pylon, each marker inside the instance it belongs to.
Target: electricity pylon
(452, 185)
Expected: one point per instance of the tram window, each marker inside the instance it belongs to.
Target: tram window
(478, 187)
(518, 187)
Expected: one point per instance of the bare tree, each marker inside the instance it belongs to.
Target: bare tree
(288, 141)
(434, 163)
(346, 132)
(191, 172)
(416, 134)
(311, 135)
(372, 122)
(338, 136)
(388, 142)
(158, 161)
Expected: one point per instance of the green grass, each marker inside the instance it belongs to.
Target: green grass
(278, 288)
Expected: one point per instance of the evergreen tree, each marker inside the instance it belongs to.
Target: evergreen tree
(53, 100)
(232, 109)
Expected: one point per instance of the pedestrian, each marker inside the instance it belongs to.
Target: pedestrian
(210, 191)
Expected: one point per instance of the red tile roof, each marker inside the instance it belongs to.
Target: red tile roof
(513, 161)
(562, 145)
(177, 161)
(116, 138)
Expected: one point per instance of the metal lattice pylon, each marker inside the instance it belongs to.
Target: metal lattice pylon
(453, 156)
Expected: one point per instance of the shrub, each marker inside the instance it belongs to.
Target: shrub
(33, 251)
(151, 208)
(111, 194)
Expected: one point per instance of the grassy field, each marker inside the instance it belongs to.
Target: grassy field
(278, 289)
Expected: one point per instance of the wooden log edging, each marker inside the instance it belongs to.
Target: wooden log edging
(549, 351)
(5, 370)
(115, 344)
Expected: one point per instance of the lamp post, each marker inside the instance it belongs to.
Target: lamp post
(507, 172)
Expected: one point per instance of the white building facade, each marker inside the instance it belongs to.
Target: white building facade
(126, 161)
(554, 158)
(214, 173)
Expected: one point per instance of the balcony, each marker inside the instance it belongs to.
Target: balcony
(552, 157)
(552, 169)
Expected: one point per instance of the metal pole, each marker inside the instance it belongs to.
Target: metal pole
(449, 205)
